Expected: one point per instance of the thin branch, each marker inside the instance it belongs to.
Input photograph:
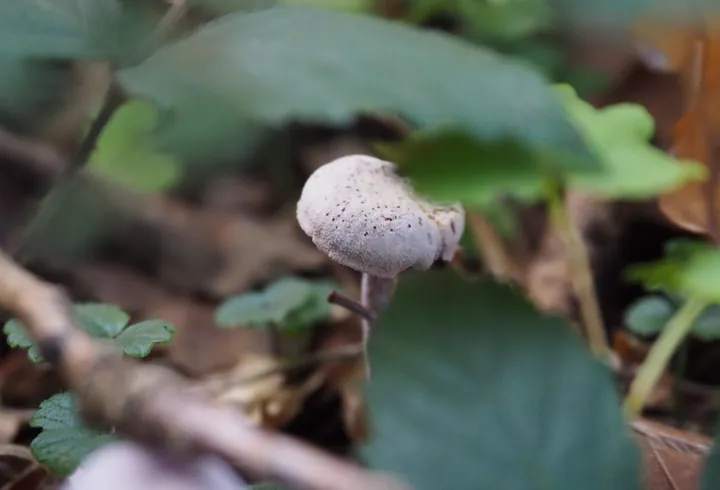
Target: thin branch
(53, 200)
(351, 305)
(152, 404)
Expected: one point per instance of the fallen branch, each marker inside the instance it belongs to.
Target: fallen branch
(152, 404)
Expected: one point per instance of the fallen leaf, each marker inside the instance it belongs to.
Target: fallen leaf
(20, 469)
(694, 54)
(673, 458)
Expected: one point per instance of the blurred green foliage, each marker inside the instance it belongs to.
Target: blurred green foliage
(65, 440)
(290, 304)
(471, 388)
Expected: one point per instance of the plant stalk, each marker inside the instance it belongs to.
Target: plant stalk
(52, 201)
(580, 276)
(662, 350)
(493, 249)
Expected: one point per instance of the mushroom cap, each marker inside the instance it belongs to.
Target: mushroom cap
(363, 215)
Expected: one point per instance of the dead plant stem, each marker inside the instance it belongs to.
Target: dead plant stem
(580, 275)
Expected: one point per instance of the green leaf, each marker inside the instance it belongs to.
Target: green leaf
(101, 321)
(620, 135)
(509, 19)
(649, 315)
(126, 152)
(17, 336)
(77, 29)
(617, 16)
(289, 303)
(222, 7)
(711, 473)
(276, 65)
(64, 441)
(690, 269)
(138, 340)
(472, 388)
(451, 166)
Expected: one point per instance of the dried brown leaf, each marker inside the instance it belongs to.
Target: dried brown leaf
(673, 458)
(694, 54)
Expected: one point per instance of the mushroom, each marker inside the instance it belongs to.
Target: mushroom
(363, 215)
(130, 466)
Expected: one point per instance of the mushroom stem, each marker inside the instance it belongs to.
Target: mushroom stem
(375, 295)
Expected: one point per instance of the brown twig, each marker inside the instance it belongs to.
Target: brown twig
(151, 404)
(351, 305)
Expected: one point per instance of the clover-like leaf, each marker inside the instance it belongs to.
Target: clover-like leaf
(649, 315)
(65, 440)
(100, 320)
(452, 166)
(126, 152)
(289, 303)
(17, 336)
(620, 135)
(277, 65)
(474, 389)
(690, 269)
(138, 339)
(105, 322)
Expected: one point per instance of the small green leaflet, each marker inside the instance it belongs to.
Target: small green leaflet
(649, 315)
(289, 303)
(451, 166)
(102, 321)
(690, 269)
(65, 441)
(126, 152)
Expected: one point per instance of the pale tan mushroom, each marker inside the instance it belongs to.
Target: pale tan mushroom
(363, 215)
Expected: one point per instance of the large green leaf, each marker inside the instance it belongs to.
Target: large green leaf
(65, 440)
(280, 64)
(711, 473)
(87, 29)
(221, 7)
(472, 388)
(618, 15)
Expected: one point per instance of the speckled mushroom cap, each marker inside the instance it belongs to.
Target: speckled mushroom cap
(363, 215)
